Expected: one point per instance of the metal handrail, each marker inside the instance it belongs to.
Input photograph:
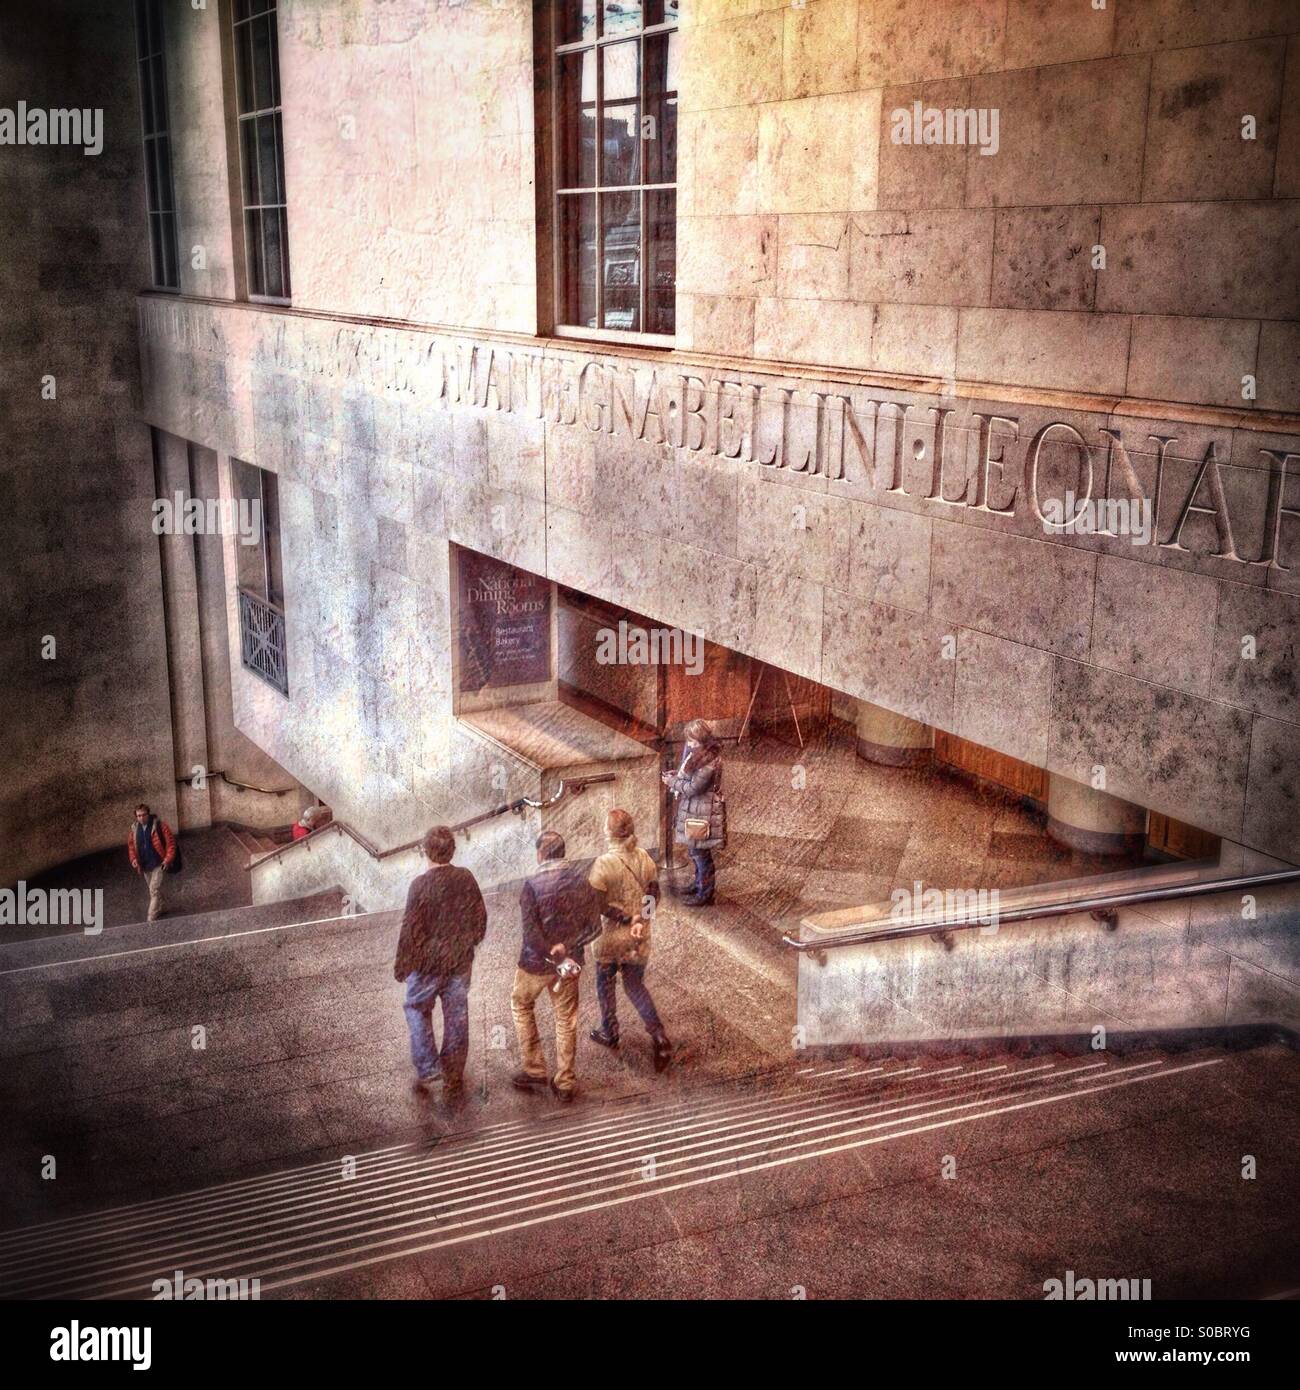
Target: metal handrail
(239, 786)
(568, 785)
(1103, 906)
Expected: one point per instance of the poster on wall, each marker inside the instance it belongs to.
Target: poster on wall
(505, 624)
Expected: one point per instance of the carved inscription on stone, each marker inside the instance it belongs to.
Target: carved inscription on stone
(866, 445)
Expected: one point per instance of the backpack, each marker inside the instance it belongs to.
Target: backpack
(177, 863)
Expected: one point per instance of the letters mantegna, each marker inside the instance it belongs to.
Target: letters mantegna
(855, 442)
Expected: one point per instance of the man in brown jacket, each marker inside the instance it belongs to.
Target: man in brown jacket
(628, 881)
(445, 919)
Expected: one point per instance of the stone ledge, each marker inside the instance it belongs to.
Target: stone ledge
(1269, 422)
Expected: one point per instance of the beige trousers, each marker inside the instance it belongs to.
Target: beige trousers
(155, 880)
(564, 1005)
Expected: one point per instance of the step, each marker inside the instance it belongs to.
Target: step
(17, 956)
(296, 1225)
(256, 843)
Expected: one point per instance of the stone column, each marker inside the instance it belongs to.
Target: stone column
(184, 656)
(1093, 821)
(892, 739)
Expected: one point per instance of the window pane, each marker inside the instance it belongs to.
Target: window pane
(155, 26)
(578, 120)
(158, 82)
(577, 20)
(271, 533)
(578, 260)
(169, 278)
(282, 222)
(621, 69)
(244, 69)
(274, 251)
(283, 197)
(155, 249)
(620, 16)
(268, 160)
(621, 259)
(147, 106)
(275, 61)
(620, 115)
(263, 38)
(660, 142)
(661, 12)
(253, 249)
(141, 28)
(150, 176)
(661, 257)
(162, 146)
(248, 140)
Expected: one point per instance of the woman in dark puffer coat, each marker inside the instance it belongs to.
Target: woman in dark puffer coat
(697, 785)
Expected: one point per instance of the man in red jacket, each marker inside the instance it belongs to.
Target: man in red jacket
(152, 847)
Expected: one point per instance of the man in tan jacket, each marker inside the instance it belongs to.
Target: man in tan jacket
(627, 880)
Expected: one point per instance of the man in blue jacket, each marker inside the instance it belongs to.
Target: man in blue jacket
(560, 913)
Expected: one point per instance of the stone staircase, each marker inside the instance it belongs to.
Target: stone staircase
(775, 1139)
(259, 842)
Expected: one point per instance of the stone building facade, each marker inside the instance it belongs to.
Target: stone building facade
(892, 357)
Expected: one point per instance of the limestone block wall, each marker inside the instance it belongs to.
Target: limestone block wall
(497, 852)
(889, 358)
(200, 164)
(808, 234)
(409, 159)
(86, 734)
(806, 522)
(407, 149)
(1196, 966)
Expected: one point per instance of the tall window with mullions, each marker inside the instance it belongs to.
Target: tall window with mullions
(155, 128)
(615, 131)
(261, 148)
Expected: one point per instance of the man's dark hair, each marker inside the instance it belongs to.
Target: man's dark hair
(144, 808)
(550, 845)
(439, 845)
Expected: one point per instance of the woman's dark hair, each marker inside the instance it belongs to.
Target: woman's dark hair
(439, 845)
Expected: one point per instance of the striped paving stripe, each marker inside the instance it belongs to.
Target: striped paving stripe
(310, 1223)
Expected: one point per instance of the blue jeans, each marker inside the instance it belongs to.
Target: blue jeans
(634, 988)
(705, 873)
(422, 992)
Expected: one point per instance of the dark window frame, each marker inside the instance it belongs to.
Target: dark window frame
(559, 194)
(250, 119)
(259, 589)
(155, 136)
